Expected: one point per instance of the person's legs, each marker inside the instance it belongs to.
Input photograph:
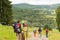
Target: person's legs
(46, 34)
(40, 34)
(34, 34)
(23, 37)
(18, 36)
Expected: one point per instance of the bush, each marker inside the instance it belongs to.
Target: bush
(46, 26)
(58, 28)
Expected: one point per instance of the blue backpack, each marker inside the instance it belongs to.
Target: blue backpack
(14, 25)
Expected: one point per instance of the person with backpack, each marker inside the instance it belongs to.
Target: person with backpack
(14, 25)
(40, 30)
(17, 29)
(46, 32)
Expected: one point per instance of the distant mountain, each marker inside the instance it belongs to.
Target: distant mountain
(25, 5)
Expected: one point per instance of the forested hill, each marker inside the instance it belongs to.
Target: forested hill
(35, 14)
(25, 5)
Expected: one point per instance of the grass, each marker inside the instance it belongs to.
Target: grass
(53, 35)
(6, 33)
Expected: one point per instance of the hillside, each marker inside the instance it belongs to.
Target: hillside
(45, 9)
(35, 14)
(25, 5)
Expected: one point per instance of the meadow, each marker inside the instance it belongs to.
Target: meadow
(6, 33)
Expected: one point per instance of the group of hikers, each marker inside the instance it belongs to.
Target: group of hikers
(20, 33)
(17, 29)
(40, 32)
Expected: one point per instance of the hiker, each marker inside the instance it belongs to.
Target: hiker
(24, 25)
(34, 33)
(40, 30)
(46, 32)
(22, 34)
(17, 29)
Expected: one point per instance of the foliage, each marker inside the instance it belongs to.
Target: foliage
(58, 17)
(46, 26)
(34, 17)
(29, 6)
(34, 14)
(6, 11)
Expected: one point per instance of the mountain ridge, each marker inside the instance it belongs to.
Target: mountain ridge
(25, 5)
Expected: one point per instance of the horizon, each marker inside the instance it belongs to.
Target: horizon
(36, 2)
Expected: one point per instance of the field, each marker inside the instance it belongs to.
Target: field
(6, 33)
(53, 35)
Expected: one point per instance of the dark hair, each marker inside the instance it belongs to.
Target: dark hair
(18, 21)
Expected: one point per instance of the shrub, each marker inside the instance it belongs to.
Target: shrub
(46, 26)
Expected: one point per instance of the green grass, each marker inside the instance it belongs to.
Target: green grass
(53, 35)
(6, 33)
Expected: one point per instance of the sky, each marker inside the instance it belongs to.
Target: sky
(36, 2)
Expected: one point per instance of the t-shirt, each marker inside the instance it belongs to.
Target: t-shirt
(46, 30)
(18, 25)
(39, 30)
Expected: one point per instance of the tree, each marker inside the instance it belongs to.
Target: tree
(58, 17)
(5, 11)
(47, 26)
(0, 8)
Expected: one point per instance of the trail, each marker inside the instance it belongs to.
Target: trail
(37, 37)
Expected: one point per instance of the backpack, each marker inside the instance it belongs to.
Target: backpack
(18, 28)
(14, 25)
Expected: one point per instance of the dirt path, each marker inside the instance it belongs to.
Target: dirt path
(37, 37)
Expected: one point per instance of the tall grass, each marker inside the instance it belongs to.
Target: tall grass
(6, 33)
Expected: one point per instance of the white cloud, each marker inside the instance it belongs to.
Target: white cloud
(38, 2)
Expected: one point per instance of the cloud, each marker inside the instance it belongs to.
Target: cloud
(37, 2)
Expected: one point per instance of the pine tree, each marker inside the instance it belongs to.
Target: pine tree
(58, 17)
(0, 9)
(5, 11)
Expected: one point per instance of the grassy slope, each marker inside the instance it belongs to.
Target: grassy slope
(6, 33)
(53, 35)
